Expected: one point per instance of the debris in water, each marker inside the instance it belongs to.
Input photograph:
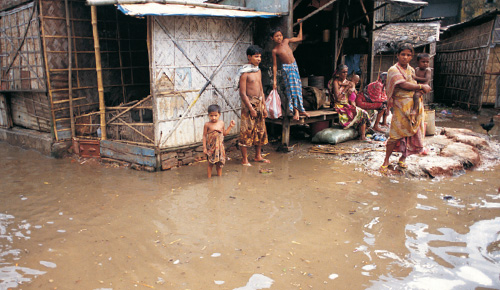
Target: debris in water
(265, 171)
(214, 255)
(256, 282)
(447, 197)
(333, 276)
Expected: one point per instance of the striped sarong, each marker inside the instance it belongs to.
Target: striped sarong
(293, 86)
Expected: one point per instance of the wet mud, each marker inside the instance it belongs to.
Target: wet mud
(301, 222)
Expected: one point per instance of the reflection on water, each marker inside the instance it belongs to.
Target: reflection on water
(12, 275)
(310, 224)
(448, 260)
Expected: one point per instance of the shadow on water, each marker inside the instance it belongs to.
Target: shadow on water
(303, 223)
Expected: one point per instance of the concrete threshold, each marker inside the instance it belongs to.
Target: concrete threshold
(29, 139)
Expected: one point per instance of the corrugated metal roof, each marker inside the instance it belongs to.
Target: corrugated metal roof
(140, 10)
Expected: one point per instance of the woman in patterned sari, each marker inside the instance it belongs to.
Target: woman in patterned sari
(404, 136)
(340, 91)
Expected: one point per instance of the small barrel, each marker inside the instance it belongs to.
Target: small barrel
(430, 120)
(317, 82)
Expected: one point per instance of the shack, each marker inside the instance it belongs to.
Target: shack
(467, 63)
(128, 82)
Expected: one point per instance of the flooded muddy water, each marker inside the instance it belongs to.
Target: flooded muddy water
(305, 223)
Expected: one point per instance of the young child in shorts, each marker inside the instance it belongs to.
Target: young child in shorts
(213, 140)
(423, 77)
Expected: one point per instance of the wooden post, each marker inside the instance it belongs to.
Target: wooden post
(70, 72)
(102, 105)
(371, 58)
(47, 71)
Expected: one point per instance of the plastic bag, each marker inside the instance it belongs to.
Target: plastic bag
(335, 136)
(273, 105)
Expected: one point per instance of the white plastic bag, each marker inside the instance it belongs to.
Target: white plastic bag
(273, 105)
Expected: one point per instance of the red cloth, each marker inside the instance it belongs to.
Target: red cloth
(363, 103)
(376, 92)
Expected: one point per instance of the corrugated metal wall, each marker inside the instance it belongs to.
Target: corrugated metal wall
(177, 81)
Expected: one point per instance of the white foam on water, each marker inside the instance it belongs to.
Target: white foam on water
(374, 192)
(425, 207)
(473, 263)
(426, 283)
(369, 238)
(256, 282)
(215, 255)
(369, 267)
(48, 264)
(474, 275)
(61, 231)
(333, 276)
(218, 282)
(486, 204)
(13, 276)
(421, 196)
(376, 208)
(372, 223)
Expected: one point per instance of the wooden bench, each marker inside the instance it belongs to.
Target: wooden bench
(286, 122)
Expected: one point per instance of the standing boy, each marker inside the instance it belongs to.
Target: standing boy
(423, 77)
(283, 51)
(253, 110)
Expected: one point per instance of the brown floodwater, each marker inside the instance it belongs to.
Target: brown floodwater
(309, 223)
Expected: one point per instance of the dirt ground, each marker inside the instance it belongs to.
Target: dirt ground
(305, 221)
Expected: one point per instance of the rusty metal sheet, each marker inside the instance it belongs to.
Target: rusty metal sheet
(89, 148)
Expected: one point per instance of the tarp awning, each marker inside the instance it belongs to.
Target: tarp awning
(408, 2)
(156, 9)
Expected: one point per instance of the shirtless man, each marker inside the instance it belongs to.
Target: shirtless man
(253, 110)
(283, 52)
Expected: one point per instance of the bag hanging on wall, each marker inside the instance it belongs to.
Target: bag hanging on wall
(273, 105)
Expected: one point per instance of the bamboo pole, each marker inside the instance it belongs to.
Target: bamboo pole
(70, 72)
(102, 105)
(314, 12)
(137, 131)
(129, 108)
(47, 72)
